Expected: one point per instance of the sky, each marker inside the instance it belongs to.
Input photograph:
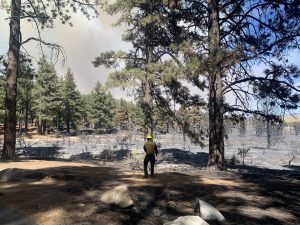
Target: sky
(82, 43)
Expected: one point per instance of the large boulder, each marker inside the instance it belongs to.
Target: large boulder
(207, 212)
(119, 196)
(188, 220)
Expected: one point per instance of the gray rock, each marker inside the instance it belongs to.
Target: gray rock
(119, 196)
(207, 212)
(188, 220)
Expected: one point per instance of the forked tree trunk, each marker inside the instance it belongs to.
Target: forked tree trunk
(215, 104)
(148, 99)
(10, 122)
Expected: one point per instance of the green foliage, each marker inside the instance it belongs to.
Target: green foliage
(139, 114)
(45, 12)
(100, 107)
(47, 97)
(24, 89)
(153, 61)
(126, 115)
(72, 103)
(193, 122)
(244, 41)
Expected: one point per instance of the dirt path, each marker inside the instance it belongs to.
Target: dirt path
(67, 193)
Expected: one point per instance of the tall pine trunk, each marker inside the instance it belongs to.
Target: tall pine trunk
(148, 98)
(215, 104)
(10, 122)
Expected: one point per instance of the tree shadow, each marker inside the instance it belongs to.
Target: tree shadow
(179, 156)
(105, 155)
(82, 156)
(39, 152)
(9, 216)
(279, 187)
(114, 155)
(76, 190)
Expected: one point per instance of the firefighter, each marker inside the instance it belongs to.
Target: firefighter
(150, 149)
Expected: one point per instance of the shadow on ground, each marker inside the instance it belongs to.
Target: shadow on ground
(179, 156)
(70, 195)
(39, 152)
(106, 155)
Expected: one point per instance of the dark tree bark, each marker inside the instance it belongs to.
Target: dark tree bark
(216, 127)
(148, 99)
(10, 122)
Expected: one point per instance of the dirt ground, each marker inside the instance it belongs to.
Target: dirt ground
(66, 193)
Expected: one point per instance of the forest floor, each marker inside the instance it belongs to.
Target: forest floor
(60, 178)
(64, 192)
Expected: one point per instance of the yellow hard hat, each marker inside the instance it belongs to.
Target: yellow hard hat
(149, 136)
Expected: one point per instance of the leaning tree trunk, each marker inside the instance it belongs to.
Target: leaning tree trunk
(10, 121)
(215, 101)
(148, 99)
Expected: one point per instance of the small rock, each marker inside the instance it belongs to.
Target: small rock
(119, 196)
(207, 212)
(188, 220)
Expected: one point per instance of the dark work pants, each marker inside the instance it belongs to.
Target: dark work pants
(149, 158)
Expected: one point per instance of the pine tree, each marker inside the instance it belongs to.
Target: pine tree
(72, 104)
(100, 107)
(148, 32)
(226, 38)
(121, 114)
(48, 100)
(24, 89)
(41, 14)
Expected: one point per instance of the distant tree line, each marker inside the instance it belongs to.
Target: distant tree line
(49, 101)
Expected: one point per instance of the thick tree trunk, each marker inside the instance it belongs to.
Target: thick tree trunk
(215, 104)
(148, 99)
(10, 122)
